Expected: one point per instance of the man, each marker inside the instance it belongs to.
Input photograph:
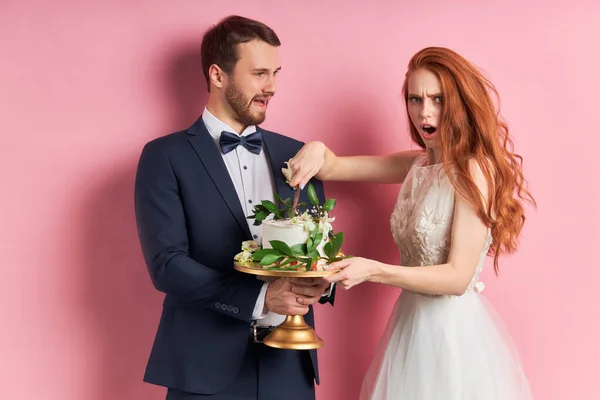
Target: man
(193, 192)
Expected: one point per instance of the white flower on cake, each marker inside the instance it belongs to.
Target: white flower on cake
(309, 226)
(287, 172)
(250, 245)
(245, 257)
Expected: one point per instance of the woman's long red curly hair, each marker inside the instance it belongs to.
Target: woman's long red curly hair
(471, 128)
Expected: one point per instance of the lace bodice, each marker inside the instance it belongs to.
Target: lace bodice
(421, 222)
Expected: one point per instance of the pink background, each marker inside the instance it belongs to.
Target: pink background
(84, 84)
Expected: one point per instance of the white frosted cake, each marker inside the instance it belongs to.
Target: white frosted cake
(291, 232)
(284, 230)
(303, 241)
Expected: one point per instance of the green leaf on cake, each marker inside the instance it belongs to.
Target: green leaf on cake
(262, 215)
(299, 249)
(270, 206)
(278, 199)
(319, 239)
(337, 241)
(305, 259)
(286, 262)
(258, 255)
(314, 243)
(312, 195)
(309, 245)
(329, 204)
(282, 247)
(314, 233)
(328, 249)
(269, 259)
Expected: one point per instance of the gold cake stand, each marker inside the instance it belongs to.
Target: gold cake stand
(294, 333)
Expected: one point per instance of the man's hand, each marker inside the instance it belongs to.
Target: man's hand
(309, 290)
(293, 296)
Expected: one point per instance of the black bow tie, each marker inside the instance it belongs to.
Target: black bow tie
(229, 141)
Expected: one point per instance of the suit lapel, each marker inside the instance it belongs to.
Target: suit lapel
(277, 158)
(210, 156)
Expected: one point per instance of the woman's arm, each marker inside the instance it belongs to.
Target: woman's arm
(315, 159)
(451, 278)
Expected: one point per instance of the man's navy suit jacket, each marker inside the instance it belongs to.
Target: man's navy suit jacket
(191, 224)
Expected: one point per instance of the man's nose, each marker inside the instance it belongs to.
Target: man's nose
(270, 86)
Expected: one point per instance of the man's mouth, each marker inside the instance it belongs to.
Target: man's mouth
(260, 102)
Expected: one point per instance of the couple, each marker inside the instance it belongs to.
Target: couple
(460, 201)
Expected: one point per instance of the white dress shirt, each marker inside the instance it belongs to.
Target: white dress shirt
(253, 181)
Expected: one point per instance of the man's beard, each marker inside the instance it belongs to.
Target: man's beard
(241, 106)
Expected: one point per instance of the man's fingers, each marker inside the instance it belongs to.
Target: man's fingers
(307, 291)
(297, 310)
(308, 301)
(305, 281)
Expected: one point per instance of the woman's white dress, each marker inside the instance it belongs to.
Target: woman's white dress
(440, 347)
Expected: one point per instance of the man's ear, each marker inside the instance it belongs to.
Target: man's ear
(216, 76)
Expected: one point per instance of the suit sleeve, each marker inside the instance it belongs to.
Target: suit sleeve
(163, 236)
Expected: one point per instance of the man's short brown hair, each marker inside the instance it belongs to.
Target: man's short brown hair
(219, 44)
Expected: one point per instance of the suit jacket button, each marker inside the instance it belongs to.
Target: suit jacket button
(229, 308)
(224, 307)
(218, 305)
(236, 310)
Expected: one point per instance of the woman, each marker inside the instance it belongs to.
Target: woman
(461, 200)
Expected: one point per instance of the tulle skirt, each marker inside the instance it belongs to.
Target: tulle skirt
(445, 348)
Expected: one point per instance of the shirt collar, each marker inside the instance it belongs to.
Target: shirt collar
(215, 126)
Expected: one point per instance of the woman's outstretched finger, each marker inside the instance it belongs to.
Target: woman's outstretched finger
(339, 276)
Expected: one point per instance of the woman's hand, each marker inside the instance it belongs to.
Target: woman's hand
(352, 271)
(307, 163)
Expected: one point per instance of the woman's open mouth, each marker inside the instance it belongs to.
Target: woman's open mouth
(428, 130)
